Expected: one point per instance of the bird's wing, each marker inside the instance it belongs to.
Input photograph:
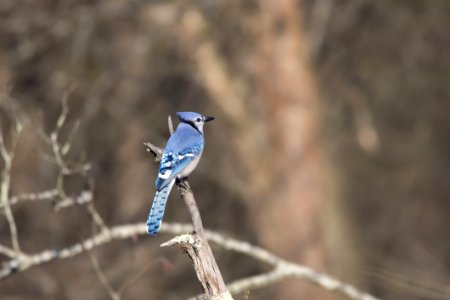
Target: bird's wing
(173, 162)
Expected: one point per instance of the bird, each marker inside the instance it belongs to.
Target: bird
(180, 157)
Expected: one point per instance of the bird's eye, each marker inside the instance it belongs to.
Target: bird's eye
(198, 119)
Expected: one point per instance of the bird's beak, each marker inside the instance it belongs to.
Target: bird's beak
(208, 118)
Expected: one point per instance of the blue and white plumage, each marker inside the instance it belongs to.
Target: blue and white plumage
(180, 157)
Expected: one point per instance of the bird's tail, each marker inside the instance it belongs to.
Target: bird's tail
(157, 211)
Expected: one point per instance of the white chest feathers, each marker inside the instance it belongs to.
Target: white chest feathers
(190, 167)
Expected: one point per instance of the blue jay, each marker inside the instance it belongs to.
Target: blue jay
(180, 157)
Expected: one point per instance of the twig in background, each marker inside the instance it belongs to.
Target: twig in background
(7, 251)
(60, 150)
(95, 215)
(287, 269)
(7, 157)
(169, 121)
(6, 201)
(155, 150)
(92, 210)
(83, 198)
(66, 147)
(51, 195)
(98, 223)
(128, 283)
(57, 153)
(101, 276)
(39, 196)
(282, 269)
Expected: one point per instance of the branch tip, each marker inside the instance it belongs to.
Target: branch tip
(169, 121)
(184, 240)
(155, 150)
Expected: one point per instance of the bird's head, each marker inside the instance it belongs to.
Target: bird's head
(194, 119)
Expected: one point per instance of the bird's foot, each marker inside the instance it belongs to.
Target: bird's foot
(182, 182)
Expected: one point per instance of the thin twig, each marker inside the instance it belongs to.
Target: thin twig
(84, 197)
(115, 233)
(96, 218)
(38, 196)
(169, 121)
(50, 195)
(126, 284)
(66, 148)
(57, 152)
(282, 269)
(101, 276)
(155, 150)
(7, 251)
(97, 221)
(5, 185)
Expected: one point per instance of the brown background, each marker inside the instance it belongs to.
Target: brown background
(331, 146)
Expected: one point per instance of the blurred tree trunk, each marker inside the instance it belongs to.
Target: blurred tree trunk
(289, 217)
(280, 155)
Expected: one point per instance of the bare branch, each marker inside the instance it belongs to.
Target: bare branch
(50, 195)
(3, 151)
(97, 221)
(155, 150)
(115, 233)
(282, 269)
(101, 276)
(169, 121)
(57, 152)
(84, 197)
(5, 185)
(64, 112)
(39, 196)
(66, 148)
(192, 245)
(130, 230)
(197, 247)
(257, 281)
(96, 218)
(126, 284)
(7, 251)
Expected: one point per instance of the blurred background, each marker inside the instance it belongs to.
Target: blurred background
(330, 148)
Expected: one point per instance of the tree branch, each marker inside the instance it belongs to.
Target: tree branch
(6, 183)
(101, 276)
(38, 196)
(199, 251)
(196, 244)
(283, 269)
(7, 251)
(155, 150)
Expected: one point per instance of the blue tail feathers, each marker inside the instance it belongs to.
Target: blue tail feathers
(157, 211)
